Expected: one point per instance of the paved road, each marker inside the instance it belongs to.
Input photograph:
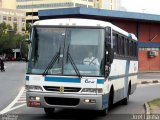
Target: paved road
(143, 94)
(11, 82)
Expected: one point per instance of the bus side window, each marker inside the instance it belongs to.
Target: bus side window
(125, 47)
(115, 39)
(132, 48)
(119, 45)
(122, 45)
(128, 48)
(136, 50)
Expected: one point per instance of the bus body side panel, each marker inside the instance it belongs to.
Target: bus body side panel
(123, 71)
(117, 78)
(134, 72)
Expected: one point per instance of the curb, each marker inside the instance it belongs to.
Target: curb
(147, 108)
(147, 81)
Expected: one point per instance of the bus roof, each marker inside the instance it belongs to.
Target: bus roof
(83, 22)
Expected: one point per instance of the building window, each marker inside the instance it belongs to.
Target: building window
(23, 24)
(27, 0)
(9, 18)
(23, 20)
(15, 19)
(4, 18)
(80, 5)
(90, 6)
(66, 4)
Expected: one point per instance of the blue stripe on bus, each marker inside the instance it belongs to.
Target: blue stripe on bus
(27, 78)
(100, 81)
(62, 79)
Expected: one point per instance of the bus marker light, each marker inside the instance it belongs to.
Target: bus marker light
(92, 101)
(89, 100)
(34, 98)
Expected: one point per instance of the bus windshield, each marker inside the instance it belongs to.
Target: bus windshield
(67, 51)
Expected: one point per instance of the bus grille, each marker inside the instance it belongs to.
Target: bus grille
(66, 89)
(62, 101)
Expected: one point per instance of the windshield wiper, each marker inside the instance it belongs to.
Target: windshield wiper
(52, 62)
(73, 63)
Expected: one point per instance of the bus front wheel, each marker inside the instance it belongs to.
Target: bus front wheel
(104, 112)
(49, 111)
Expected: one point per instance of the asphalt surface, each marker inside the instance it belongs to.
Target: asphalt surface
(11, 82)
(13, 79)
(142, 94)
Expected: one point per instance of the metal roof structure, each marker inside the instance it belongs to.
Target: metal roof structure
(99, 14)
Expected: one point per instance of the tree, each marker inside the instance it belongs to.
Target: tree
(28, 27)
(15, 26)
(9, 39)
(3, 27)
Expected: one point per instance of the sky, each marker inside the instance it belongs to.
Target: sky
(143, 6)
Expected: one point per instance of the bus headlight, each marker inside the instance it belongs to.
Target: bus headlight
(92, 90)
(33, 88)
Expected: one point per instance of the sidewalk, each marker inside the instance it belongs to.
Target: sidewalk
(149, 77)
(152, 107)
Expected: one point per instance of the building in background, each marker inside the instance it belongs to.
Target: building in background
(32, 6)
(16, 18)
(9, 4)
(0, 3)
(112, 4)
(9, 15)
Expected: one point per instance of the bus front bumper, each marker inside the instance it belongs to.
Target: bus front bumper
(74, 101)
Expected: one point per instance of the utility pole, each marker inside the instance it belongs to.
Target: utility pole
(111, 2)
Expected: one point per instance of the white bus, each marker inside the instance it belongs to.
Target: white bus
(80, 64)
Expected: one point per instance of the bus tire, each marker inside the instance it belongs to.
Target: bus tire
(126, 100)
(104, 112)
(111, 96)
(49, 111)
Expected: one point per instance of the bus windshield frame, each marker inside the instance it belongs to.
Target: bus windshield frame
(79, 50)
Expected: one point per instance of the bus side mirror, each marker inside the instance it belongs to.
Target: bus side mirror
(110, 55)
(109, 60)
(108, 35)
